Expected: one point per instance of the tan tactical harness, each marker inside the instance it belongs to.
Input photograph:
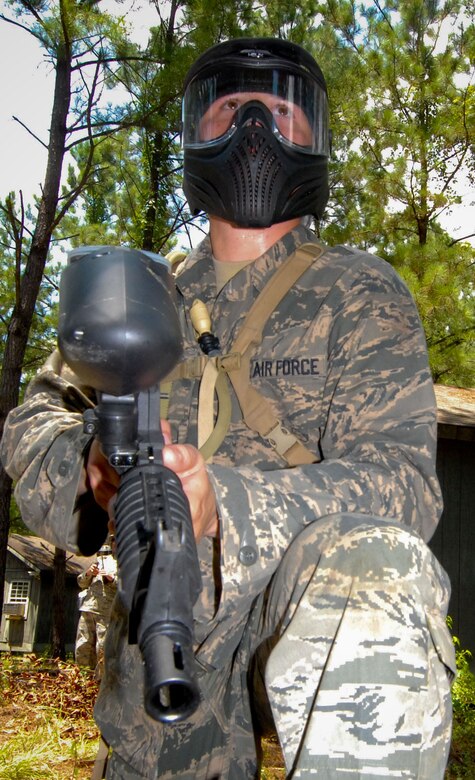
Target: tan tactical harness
(256, 410)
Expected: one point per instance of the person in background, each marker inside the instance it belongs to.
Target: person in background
(98, 586)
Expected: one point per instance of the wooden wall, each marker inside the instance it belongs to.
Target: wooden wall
(454, 540)
(34, 634)
(19, 634)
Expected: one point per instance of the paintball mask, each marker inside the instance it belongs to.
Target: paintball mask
(255, 133)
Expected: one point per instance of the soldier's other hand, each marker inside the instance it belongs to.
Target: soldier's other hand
(102, 478)
(188, 464)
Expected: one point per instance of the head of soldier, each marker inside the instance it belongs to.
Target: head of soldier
(255, 133)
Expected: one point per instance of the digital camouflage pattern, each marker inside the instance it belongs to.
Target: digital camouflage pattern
(96, 597)
(89, 646)
(325, 566)
(99, 592)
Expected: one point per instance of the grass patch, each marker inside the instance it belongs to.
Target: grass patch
(46, 726)
(43, 752)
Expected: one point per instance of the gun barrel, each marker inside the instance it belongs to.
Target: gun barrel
(160, 582)
(171, 692)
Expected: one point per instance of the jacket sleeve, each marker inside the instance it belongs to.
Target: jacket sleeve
(43, 449)
(376, 429)
(84, 579)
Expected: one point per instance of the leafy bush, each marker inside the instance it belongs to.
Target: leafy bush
(462, 754)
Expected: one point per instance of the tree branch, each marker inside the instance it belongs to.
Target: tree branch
(462, 238)
(30, 131)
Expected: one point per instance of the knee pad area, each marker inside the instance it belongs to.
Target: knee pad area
(370, 549)
(341, 553)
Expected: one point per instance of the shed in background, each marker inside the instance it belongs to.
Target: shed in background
(28, 594)
(454, 540)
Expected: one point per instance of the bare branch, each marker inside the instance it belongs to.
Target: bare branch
(30, 131)
(16, 23)
(462, 238)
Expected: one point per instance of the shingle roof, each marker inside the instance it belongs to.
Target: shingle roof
(39, 553)
(455, 405)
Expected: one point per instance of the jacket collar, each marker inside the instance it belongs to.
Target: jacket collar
(198, 270)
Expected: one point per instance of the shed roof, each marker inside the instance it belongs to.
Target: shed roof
(456, 410)
(39, 554)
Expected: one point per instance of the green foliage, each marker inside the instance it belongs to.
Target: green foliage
(133, 195)
(462, 756)
(12, 263)
(401, 95)
(285, 19)
(463, 688)
(17, 526)
(440, 277)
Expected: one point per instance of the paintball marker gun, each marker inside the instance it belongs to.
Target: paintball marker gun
(119, 332)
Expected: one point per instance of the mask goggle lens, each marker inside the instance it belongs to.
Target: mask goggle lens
(298, 105)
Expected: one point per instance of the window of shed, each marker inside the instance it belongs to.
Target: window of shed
(19, 592)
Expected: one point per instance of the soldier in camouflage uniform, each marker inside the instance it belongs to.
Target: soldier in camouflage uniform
(321, 597)
(98, 586)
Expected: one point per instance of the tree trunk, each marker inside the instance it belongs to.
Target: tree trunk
(156, 199)
(28, 283)
(58, 627)
(5, 495)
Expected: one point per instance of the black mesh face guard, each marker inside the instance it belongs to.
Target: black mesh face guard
(252, 178)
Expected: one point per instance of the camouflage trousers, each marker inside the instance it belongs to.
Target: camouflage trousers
(348, 644)
(90, 635)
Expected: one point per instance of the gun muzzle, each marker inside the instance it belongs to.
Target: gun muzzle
(171, 693)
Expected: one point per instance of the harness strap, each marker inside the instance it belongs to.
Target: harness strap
(256, 409)
(190, 369)
(274, 291)
(211, 434)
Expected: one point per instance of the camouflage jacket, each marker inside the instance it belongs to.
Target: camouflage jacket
(343, 361)
(99, 592)
(99, 595)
